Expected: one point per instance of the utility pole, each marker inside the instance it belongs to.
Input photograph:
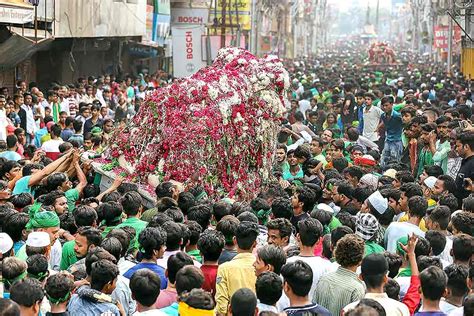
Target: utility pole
(450, 38)
(377, 17)
(367, 15)
(224, 5)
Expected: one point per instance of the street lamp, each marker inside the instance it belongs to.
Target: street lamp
(36, 3)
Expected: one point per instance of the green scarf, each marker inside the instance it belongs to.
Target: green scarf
(262, 216)
(43, 219)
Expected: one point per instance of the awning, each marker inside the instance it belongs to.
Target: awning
(18, 48)
(16, 12)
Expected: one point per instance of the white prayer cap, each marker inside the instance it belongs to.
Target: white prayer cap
(38, 239)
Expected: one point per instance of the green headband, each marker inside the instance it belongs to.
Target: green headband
(60, 300)
(44, 219)
(18, 278)
(201, 196)
(262, 215)
(40, 276)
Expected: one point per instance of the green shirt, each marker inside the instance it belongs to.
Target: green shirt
(425, 158)
(322, 159)
(373, 247)
(138, 225)
(107, 230)
(21, 254)
(68, 256)
(440, 157)
(72, 196)
(196, 254)
(334, 223)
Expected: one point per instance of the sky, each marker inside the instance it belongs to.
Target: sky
(345, 5)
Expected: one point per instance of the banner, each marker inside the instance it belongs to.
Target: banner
(441, 36)
(187, 56)
(235, 5)
(245, 20)
(15, 12)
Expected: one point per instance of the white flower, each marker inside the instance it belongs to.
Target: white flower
(213, 93)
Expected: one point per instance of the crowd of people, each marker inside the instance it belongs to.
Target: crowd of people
(370, 210)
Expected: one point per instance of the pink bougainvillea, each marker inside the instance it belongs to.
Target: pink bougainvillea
(217, 127)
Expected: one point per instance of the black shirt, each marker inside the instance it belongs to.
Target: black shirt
(466, 171)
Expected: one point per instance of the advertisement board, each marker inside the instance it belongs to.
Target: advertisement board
(187, 50)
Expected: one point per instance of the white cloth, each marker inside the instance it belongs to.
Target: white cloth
(446, 307)
(153, 312)
(457, 312)
(391, 306)
(64, 106)
(124, 265)
(30, 120)
(371, 122)
(52, 145)
(446, 254)
(3, 125)
(396, 230)
(320, 267)
(55, 257)
(304, 105)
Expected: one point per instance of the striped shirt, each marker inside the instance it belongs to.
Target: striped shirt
(337, 289)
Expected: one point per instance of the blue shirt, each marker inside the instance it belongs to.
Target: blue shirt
(171, 310)
(21, 186)
(153, 267)
(40, 133)
(393, 126)
(82, 306)
(288, 176)
(66, 133)
(10, 155)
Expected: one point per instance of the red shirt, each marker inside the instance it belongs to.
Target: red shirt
(210, 274)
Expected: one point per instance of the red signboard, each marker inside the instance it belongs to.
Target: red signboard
(441, 36)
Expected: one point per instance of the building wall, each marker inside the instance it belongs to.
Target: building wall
(100, 18)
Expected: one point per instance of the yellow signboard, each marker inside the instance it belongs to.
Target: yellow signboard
(245, 20)
(235, 5)
(18, 3)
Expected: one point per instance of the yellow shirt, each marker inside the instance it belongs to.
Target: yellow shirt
(233, 275)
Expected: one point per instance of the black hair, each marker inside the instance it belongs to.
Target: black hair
(67, 222)
(417, 206)
(448, 183)
(91, 190)
(324, 217)
(340, 163)
(462, 247)
(188, 277)
(131, 203)
(310, 231)
(199, 299)
(176, 262)
(299, 277)
(437, 241)
(93, 235)
(347, 219)
(247, 216)
(210, 244)
(110, 212)
(85, 215)
(26, 292)
(424, 262)
(283, 225)
(272, 255)
(246, 235)
(164, 189)
(175, 214)
(55, 180)
(450, 201)
(392, 289)
(411, 189)
(354, 171)
(307, 197)
(200, 213)
(111, 197)
(9, 307)
(440, 215)
(371, 303)
(77, 125)
(186, 200)
(145, 287)
(433, 171)
(150, 239)
(102, 273)
(57, 287)
(362, 193)
(457, 275)
(113, 246)
(468, 204)
(269, 287)
(340, 232)
(159, 219)
(195, 231)
(221, 209)
(433, 283)
(95, 254)
(28, 169)
(173, 235)
(122, 236)
(37, 267)
(228, 227)
(463, 222)
(15, 224)
(11, 141)
(243, 302)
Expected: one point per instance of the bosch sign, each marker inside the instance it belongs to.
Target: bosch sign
(189, 16)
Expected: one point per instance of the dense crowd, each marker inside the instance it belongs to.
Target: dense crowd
(369, 211)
